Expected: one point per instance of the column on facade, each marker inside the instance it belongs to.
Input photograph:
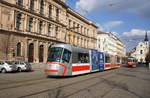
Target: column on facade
(11, 19)
(64, 17)
(87, 43)
(54, 12)
(46, 8)
(25, 20)
(36, 6)
(44, 28)
(45, 52)
(25, 47)
(36, 26)
(26, 3)
(36, 51)
(63, 33)
(75, 40)
(52, 30)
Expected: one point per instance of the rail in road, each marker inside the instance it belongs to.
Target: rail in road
(74, 81)
(51, 80)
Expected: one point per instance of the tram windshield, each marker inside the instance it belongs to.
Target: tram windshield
(57, 54)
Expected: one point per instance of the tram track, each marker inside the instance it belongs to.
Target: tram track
(13, 82)
(66, 85)
(30, 82)
(112, 85)
(132, 70)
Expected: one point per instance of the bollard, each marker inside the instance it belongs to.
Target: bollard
(149, 66)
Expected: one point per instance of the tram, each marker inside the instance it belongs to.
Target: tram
(131, 62)
(69, 60)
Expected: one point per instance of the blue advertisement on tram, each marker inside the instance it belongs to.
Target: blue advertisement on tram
(101, 61)
(94, 60)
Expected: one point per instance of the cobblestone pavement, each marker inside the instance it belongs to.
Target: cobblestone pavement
(117, 83)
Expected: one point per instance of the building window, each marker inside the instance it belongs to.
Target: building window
(56, 29)
(19, 49)
(74, 26)
(85, 31)
(69, 23)
(57, 14)
(81, 29)
(78, 28)
(42, 7)
(49, 29)
(50, 11)
(18, 20)
(141, 51)
(31, 5)
(30, 24)
(40, 27)
(20, 2)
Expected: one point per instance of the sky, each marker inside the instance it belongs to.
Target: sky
(127, 19)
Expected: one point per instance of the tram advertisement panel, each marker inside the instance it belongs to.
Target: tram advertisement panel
(94, 60)
(101, 61)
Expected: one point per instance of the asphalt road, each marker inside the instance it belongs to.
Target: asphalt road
(117, 83)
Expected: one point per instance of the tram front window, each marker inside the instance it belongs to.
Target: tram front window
(55, 54)
(66, 56)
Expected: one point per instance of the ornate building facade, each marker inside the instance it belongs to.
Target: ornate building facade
(141, 50)
(29, 27)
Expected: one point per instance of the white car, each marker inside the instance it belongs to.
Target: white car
(7, 66)
(23, 66)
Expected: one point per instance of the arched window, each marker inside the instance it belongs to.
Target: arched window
(19, 49)
(141, 51)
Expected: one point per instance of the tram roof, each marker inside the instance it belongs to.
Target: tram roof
(72, 48)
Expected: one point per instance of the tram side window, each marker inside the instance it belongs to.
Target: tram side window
(74, 57)
(107, 59)
(83, 58)
(118, 59)
(66, 55)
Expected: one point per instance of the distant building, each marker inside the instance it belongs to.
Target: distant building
(141, 50)
(109, 43)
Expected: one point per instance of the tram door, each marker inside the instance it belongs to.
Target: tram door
(101, 61)
(94, 60)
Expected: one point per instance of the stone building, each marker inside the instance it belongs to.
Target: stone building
(141, 50)
(29, 27)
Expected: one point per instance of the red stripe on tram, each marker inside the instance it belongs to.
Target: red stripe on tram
(80, 68)
(61, 64)
(51, 70)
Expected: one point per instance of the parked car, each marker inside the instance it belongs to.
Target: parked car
(23, 66)
(7, 66)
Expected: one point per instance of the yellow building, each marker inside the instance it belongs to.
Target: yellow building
(29, 27)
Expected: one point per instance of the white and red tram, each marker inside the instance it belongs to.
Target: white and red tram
(68, 60)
